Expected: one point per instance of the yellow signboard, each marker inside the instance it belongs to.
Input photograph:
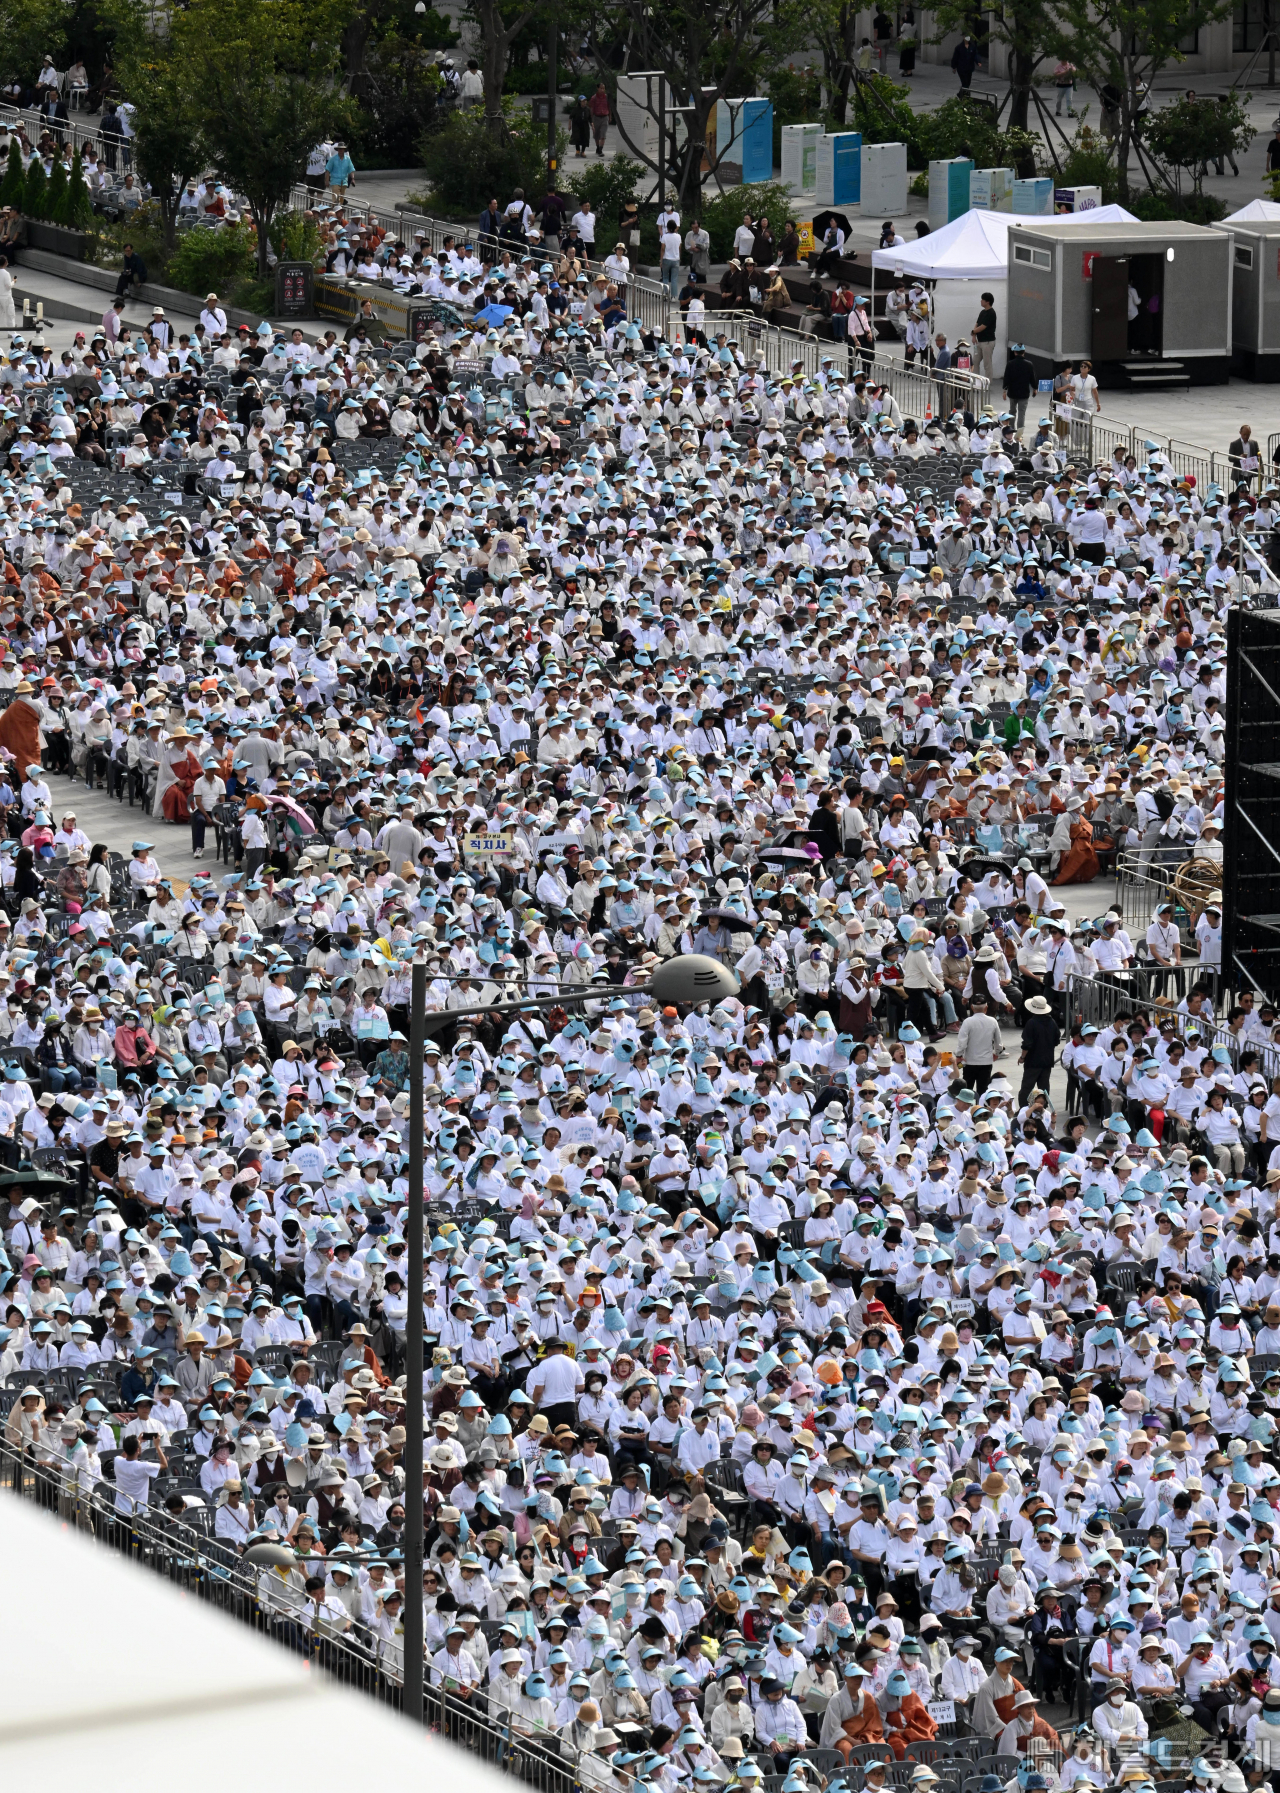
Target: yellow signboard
(490, 846)
(804, 230)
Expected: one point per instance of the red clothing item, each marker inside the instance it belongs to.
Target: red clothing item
(600, 105)
(134, 1046)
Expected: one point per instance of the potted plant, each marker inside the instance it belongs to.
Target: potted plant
(57, 208)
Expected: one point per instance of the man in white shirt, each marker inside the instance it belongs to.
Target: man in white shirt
(671, 261)
(698, 1445)
(555, 1384)
(206, 793)
(213, 317)
(134, 1477)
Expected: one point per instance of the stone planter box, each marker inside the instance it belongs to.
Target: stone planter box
(56, 238)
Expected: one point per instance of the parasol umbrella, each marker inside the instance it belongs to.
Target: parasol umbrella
(730, 917)
(822, 220)
(494, 314)
(293, 812)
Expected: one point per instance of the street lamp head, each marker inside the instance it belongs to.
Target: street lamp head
(266, 1555)
(692, 979)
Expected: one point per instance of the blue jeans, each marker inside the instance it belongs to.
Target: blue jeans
(671, 277)
(57, 1079)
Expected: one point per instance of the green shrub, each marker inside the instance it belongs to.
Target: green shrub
(13, 187)
(466, 163)
(797, 100)
(294, 237)
(79, 202)
(881, 110)
(55, 200)
(722, 215)
(532, 78)
(1191, 208)
(257, 296)
(35, 194)
(213, 260)
(145, 230)
(1089, 163)
(609, 186)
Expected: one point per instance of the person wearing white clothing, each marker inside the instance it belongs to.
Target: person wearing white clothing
(671, 261)
(213, 317)
(698, 1444)
(962, 1674)
(134, 1477)
(8, 316)
(1118, 1721)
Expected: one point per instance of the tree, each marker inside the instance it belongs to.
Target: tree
(78, 209)
(265, 89)
(36, 192)
(55, 199)
(1026, 28)
(835, 31)
(707, 52)
(1120, 46)
(1191, 133)
(497, 36)
(32, 30)
(14, 185)
(154, 71)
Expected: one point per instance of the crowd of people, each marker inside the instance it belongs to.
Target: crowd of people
(791, 1369)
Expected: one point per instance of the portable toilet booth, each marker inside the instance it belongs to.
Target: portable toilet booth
(991, 190)
(744, 140)
(840, 167)
(884, 179)
(1034, 197)
(948, 189)
(1076, 199)
(1070, 286)
(800, 158)
(1255, 298)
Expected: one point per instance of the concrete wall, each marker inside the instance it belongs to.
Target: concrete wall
(1213, 54)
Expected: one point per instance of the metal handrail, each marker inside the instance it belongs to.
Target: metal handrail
(209, 1569)
(1097, 1001)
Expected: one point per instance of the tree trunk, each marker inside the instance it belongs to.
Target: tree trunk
(261, 223)
(838, 69)
(495, 56)
(695, 151)
(1020, 72)
(355, 40)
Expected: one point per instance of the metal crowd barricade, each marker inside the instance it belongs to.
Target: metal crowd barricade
(1112, 997)
(1142, 884)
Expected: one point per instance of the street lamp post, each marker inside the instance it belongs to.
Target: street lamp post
(689, 980)
(414, 1373)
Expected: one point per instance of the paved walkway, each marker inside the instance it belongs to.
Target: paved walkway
(103, 819)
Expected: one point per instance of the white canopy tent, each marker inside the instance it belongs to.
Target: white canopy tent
(1258, 211)
(973, 247)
